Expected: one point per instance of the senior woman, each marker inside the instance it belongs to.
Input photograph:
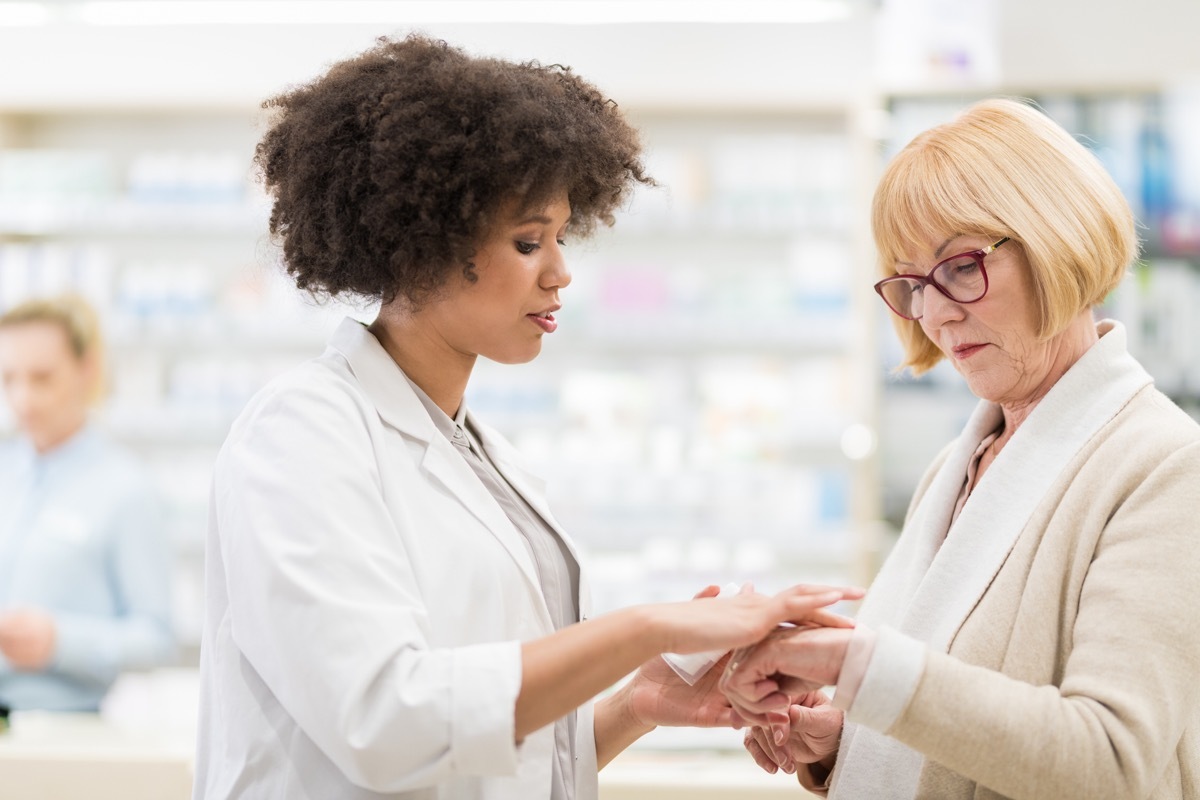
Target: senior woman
(1034, 633)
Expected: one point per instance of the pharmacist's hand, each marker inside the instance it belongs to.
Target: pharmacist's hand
(28, 638)
(761, 682)
(723, 623)
(813, 733)
(658, 696)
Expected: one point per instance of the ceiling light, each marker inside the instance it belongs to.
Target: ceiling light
(416, 12)
(22, 14)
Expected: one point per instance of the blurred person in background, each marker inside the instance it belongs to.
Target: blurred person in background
(84, 562)
(392, 609)
(1035, 633)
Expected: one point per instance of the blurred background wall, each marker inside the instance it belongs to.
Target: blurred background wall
(720, 402)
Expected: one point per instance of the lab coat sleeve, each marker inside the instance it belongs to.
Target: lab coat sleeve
(137, 560)
(326, 607)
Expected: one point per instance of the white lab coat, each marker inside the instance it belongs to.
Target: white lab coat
(366, 597)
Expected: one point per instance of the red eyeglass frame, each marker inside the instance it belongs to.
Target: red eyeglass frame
(929, 280)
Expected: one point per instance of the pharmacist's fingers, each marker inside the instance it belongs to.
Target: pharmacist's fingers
(829, 619)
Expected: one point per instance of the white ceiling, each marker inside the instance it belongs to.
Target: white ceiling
(1068, 44)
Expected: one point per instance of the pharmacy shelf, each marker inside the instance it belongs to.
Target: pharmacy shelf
(714, 322)
(39, 217)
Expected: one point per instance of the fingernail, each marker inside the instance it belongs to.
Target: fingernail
(789, 768)
(779, 736)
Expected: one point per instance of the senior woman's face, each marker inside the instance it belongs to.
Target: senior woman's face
(993, 343)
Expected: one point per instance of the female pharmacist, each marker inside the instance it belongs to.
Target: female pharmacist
(392, 609)
(84, 564)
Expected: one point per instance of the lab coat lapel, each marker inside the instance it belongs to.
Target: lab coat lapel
(997, 511)
(400, 407)
(532, 487)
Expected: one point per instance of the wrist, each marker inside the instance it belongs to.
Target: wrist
(650, 632)
(630, 715)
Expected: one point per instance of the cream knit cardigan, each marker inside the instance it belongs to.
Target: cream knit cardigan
(1048, 645)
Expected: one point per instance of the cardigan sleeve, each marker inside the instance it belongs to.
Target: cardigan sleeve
(1128, 688)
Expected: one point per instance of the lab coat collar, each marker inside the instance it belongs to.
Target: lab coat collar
(388, 388)
(398, 405)
(383, 381)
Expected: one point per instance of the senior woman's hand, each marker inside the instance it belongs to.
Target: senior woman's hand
(814, 732)
(657, 696)
(762, 681)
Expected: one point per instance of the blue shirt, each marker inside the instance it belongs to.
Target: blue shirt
(81, 538)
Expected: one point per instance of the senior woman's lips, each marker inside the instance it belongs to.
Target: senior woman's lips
(965, 351)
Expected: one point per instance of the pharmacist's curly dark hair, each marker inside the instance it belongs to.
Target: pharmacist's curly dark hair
(388, 170)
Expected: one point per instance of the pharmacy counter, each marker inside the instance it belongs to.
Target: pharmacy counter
(85, 757)
(82, 757)
(647, 775)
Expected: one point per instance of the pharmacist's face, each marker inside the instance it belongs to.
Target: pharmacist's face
(45, 383)
(993, 342)
(519, 270)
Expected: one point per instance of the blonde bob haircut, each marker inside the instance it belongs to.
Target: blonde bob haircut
(78, 322)
(1002, 168)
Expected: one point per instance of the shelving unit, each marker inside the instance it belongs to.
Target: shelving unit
(154, 218)
(706, 410)
(710, 376)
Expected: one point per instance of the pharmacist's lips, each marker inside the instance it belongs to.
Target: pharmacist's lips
(547, 313)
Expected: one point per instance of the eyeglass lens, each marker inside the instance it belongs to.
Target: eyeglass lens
(960, 277)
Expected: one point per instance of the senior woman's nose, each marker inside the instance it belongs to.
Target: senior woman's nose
(937, 309)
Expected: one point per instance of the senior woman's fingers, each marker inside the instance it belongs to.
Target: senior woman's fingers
(749, 683)
(766, 709)
(758, 752)
(767, 755)
(793, 658)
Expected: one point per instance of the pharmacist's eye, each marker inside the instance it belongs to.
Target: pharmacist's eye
(525, 248)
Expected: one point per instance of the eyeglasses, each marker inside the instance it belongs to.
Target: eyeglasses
(962, 278)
